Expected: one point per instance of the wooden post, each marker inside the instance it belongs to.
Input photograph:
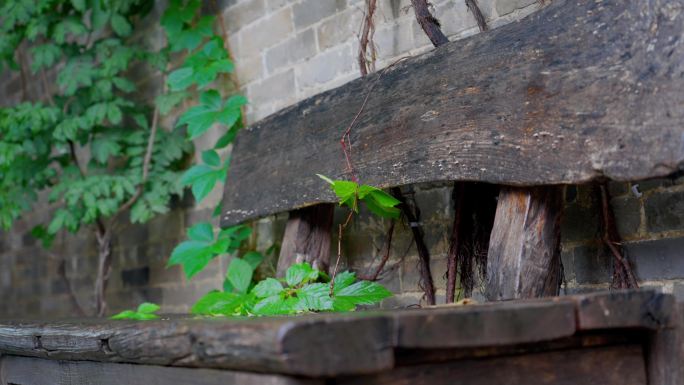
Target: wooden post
(524, 247)
(307, 238)
(665, 352)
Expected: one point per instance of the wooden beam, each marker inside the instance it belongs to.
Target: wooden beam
(524, 248)
(564, 96)
(307, 238)
(37, 371)
(611, 365)
(665, 352)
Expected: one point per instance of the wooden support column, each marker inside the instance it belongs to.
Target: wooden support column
(665, 352)
(524, 246)
(307, 238)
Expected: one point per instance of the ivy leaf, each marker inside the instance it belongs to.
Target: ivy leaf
(180, 79)
(211, 158)
(79, 5)
(254, 258)
(239, 274)
(379, 202)
(145, 312)
(104, 147)
(193, 256)
(359, 293)
(44, 56)
(200, 118)
(267, 288)
(167, 102)
(201, 232)
(300, 273)
(120, 25)
(202, 180)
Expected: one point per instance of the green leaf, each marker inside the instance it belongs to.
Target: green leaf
(276, 305)
(148, 307)
(126, 314)
(203, 232)
(300, 273)
(346, 192)
(325, 178)
(120, 25)
(44, 56)
(79, 5)
(344, 279)
(180, 79)
(254, 258)
(379, 202)
(218, 303)
(211, 158)
(167, 102)
(202, 180)
(359, 293)
(193, 256)
(315, 297)
(104, 147)
(239, 274)
(267, 288)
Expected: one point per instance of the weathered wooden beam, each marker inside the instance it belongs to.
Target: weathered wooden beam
(611, 365)
(578, 91)
(307, 238)
(524, 247)
(38, 371)
(665, 352)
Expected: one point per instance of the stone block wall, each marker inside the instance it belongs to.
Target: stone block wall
(285, 51)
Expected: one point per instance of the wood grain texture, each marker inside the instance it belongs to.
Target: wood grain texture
(257, 344)
(38, 371)
(329, 345)
(646, 309)
(578, 91)
(485, 325)
(523, 260)
(307, 238)
(665, 353)
(617, 365)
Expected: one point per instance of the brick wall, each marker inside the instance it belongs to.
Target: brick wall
(285, 51)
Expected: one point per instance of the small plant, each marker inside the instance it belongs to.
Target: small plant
(304, 289)
(350, 193)
(144, 312)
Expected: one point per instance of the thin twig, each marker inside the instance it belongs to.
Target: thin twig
(455, 243)
(341, 228)
(623, 270)
(366, 39)
(46, 87)
(477, 14)
(385, 258)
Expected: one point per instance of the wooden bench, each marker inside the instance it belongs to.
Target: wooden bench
(619, 338)
(579, 91)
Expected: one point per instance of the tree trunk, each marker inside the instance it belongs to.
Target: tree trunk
(524, 247)
(104, 267)
(307, 238)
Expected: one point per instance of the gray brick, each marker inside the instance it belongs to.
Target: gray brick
(272, 88)
(394, 40)
(652, 184)
(299, 47)
(665, 211)
(627, 212)
(579, 223)
(591, 265)
(455, 17)
(309, 12)
(324, 67)
(249, 69)
(263, 33)
(616, 189)
(504, 7)
(272, 5)
(243, 13)
(340, 28)
(657, 259)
